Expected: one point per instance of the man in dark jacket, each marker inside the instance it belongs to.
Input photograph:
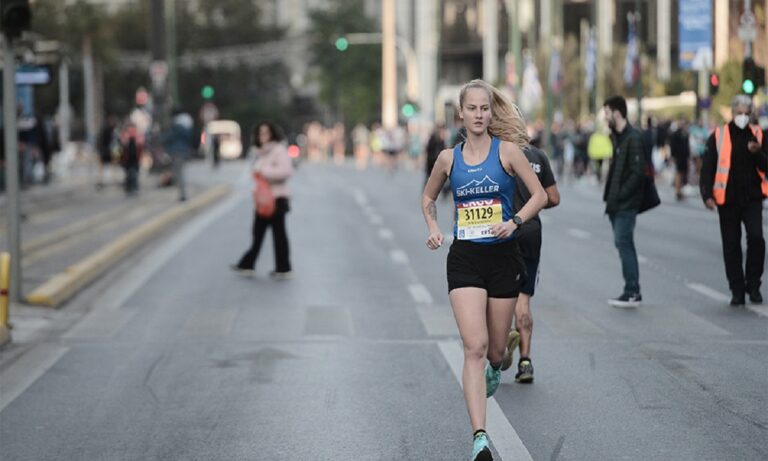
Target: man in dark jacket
(624, 194)
(731, 181)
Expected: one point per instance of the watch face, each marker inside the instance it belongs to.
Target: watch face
(517, 220)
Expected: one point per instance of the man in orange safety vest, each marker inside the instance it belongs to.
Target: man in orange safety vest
(733, 181)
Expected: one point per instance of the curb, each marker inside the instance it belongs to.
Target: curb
(64, 285)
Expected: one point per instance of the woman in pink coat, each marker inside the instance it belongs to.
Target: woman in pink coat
(274, 164)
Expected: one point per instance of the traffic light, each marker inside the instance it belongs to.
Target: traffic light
(408, 110)
(748, 76)
(16, 17)
(342, 43)
(207, 92)
(714, 84)
(753, 76)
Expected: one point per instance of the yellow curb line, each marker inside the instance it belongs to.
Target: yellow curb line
(64, 285)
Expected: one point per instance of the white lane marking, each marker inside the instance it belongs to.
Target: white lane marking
(375, 219)
(386, 234)
(27, 369)
(504, 437)
(119, 293)
(642, 259)
(360, 197)
(759, 309)
(709, 292)
(399, 256)
(579, 234)
(420, 293)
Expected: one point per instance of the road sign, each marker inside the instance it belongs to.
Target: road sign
(747, 27)
(695, 23)
(33, 75)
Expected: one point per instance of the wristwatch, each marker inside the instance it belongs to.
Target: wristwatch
(517, 220)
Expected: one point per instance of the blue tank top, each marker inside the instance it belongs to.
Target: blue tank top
(483, 195)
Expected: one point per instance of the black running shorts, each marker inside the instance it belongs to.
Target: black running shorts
(497, 268)
(532, 269)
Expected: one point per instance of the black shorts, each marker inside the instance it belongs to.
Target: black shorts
(497, 268)
(532, 269)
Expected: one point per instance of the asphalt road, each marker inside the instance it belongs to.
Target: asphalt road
(357, 357)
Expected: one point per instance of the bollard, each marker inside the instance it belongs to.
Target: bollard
(5, 269)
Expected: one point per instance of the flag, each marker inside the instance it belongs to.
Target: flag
(590, 62)
(632, 62)
(555, 77)
(531, 90)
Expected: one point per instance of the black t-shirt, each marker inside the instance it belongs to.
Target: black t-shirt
(529, 234)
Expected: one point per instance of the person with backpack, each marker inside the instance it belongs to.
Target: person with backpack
(623, 195)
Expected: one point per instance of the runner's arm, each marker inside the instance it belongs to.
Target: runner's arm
(431, 190)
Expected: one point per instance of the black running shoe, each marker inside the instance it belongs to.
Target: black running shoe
(755, 297)
(524, 371)
(737, 299)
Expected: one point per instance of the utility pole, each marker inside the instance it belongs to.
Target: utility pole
(388, 65)
(490, 41)
(159, 64)
(12, 168)
(515, 44)
(170, 43)
(639, 82)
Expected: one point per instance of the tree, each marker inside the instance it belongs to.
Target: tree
(348, 79)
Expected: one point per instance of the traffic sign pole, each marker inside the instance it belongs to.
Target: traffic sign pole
(12, 168)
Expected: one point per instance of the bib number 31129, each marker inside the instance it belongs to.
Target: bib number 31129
(475, 218)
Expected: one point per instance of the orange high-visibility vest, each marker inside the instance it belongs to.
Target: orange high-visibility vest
(723, 143)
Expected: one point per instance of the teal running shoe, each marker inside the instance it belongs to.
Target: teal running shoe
(480, 450)
(492, 379)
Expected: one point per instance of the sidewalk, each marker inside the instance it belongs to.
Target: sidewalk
(72, 233)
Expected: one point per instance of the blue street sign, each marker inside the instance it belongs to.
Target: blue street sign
(695, 27)
(33, 75)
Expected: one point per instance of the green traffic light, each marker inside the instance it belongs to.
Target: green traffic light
(207, 92)
(748, 86)
(408, 110)
(342, 43)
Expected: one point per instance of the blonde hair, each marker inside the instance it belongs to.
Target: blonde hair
(507, 122)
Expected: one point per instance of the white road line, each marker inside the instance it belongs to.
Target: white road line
(503, 436)
(420, 293)
(375, 219)
(642, 259)
(399, 256)
(386, 234)
(578, 233)
(360, 197)
(27, 369)
(759, 309)
(709, 292)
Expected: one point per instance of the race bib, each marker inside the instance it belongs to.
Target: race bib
(475, 218)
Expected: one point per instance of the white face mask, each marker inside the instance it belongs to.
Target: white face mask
(741, 120)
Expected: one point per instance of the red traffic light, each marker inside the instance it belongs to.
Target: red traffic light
(714, 80)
